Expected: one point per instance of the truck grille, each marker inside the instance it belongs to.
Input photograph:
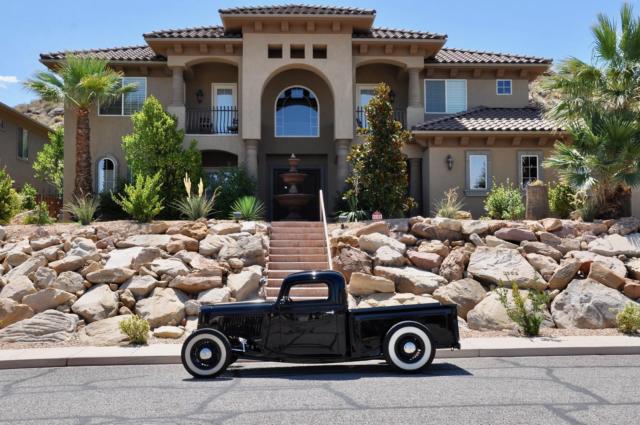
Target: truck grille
(246, 327)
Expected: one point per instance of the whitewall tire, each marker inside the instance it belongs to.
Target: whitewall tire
(409, 347)
(206, 353)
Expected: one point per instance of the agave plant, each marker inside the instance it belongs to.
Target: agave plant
(82, 208)
(197, 206)
(249, 207)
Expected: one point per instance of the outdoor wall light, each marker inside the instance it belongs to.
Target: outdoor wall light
(449, 162)
(342, 219)
(237, 215)
(199, 95)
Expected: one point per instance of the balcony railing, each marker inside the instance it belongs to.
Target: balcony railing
(220, 120)
(361, 117)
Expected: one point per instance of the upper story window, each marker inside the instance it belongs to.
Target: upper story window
(319, 52)
(129, 103)
(296, 51)
(445, 96)
(297, 113)
(274, 51)
(503, 87)
(23, 143)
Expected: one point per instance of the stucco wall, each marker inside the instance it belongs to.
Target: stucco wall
(202, 76)
(21, 170)
(394, 76)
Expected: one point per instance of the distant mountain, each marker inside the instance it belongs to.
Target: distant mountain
(48, 113)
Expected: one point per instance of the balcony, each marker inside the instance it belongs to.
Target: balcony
(361, 117)
(221, 120)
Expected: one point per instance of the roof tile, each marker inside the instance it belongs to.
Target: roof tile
(447, 55)
(296, 9)
(195, 32)
(130, 53)
(398, 34)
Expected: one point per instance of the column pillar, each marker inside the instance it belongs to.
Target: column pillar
(415, 179)
(342, 167)
(251, 157)
(415, 114)
(177, 107)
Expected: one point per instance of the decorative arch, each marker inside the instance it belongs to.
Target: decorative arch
(106, 174)
(305, 67)
(297, 113)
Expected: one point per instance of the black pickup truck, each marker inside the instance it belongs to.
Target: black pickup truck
(318, 330)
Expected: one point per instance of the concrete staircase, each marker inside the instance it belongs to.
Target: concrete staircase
(296, 246)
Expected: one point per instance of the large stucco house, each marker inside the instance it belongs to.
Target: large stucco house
(272, 81)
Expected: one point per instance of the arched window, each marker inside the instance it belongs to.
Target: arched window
(297, 113)
(107, 175)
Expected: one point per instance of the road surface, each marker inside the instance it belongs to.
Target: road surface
(551, 390)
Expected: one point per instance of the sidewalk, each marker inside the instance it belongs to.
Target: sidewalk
(471, 347)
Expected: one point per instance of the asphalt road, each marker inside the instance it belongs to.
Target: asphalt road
(551, 390)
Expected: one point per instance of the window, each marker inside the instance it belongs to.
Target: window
(297, 113)
(307, 292)
(503, 87)
(274, 52)
(107, 175)
(477, 171)
(296, 52)
(319, 52)
(445, 96)
(529, 167)
(23, 143)
(129, 103)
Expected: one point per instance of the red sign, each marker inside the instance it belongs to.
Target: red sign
(377, 215)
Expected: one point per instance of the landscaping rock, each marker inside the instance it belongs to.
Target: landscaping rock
(465, 293)
(71, 282)
(171, 332)
(632, 289)
(169, 266)
(68, 263)
(564, 274)
(387, 256)
(551, 224)
(140, 286)
(215, 296)
(493, 242)
(625, 225)
(408, 239)
(479, 227)
(587, 304)
(113, 275)
(389, 300)
(586, 258)
(226, 228)
(164, 307)
(45, 242)
(476, 240)
(244, 285)
(48, 326)
(542, 249)
(18, 288)
(145, 257)
(411, 280)
(601, 273)
(431, 231)
(181, 242)
(544, 265)
(447, 224)
(248, 248)
(614, 245)
(373, 241)
(128, 299)
(122, 258)
(106, 331)
(496, 265)
(16, 257)
(151, 240)
(43, 277)
(198, 281)
(375, 227)
(48, 298)
(453, 266)
(365, 284)
(633, 267)
(12, 311)
(490, 314)
(350, 260)
(515, 234)
(26, 268)
(434, 247)
(97, 303)
(424, 260)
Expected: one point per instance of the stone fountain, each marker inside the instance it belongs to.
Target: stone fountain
(293, 201)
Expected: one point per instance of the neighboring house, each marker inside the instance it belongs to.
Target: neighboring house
(21, 138)
(277, 80)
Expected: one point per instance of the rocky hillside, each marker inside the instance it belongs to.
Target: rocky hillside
(540, 96)
(50, 114)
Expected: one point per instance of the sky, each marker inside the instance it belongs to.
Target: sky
(555, 29)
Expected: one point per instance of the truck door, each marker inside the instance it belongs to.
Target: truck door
(311, 323)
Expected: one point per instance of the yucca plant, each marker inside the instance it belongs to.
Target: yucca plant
(448, 206)
(82, 208)
(197, 206)
(142, 199)
(249, 207)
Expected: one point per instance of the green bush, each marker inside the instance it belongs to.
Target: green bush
(28, 197)
(526, 313)
(449, 206)
(232, 183)
(136, 328)
(629, 319)
(82, 209)
(141, 200)
(196, 206)
(39, 215)
(9, 200)
(504, 202)
(250, 208)
(561, 197)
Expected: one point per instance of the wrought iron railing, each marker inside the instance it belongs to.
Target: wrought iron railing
(361, 117)
(219, 120)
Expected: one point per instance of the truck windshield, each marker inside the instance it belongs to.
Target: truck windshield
(316, 291)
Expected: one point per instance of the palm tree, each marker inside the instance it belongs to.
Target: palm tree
(82, 83)
(599, 106)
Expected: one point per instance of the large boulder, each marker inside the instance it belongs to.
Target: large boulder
(43, 277)
(151, 240)
(106, 331)
(67, 264)
(68, 281)
(587, 258)
(249, 249)
(375, 227)
(169, 266)
(411, 280)
(424, 260)
(11, 312)
(18, 288)
(122, 258)
(587, 304)
(490, 314)
(226, 228)
(431, 231)
(479, 227)
(373, 241)
(164, 307)
(465, 293)
(601, 273)
(85, 249)
(633, 267)
(48, 326)
(387, 256)
(244, 285)
(625, 225)
(198, 281)
(215, 296)
(493, 242)
(26, 268)
(365, 284)
(44, 242)
(48, 298)
(112, 275)
(515, 234)
(614, 245)
(350, 260)
(212, 244)
(544, 265)
(97, 303)
(453, 266)
(541, 249)
(503, 265)
(564, 274)
(390, 300)
(140, 286)
(171, 332)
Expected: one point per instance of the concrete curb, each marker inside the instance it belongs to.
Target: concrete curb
(471, 348)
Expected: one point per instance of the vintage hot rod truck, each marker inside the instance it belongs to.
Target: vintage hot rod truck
(300, 330)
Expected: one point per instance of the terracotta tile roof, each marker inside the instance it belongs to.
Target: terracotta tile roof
(447, 55)
(492, 119)
(195, 32)
(131, 53)
(296, 9)
(398, 34)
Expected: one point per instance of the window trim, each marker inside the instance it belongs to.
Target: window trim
(446, 95)
(22, 134)
(275, 112)
(115, 172)
(122, 114)
(521, 154)
(359, 88)
(232, 86)
(510, 87)
(468, 190)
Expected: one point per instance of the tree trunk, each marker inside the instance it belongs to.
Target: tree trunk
(83, 180)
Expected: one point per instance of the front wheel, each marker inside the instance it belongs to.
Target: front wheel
(206, 353)
(409, 347)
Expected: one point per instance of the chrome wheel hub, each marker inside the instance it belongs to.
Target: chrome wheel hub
(205, 354)
(409, 347)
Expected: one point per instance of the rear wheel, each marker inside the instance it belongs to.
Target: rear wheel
(206, 353)
(409, 347)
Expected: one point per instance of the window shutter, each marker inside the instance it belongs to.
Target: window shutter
(456, 96)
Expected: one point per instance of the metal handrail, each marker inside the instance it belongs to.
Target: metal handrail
(323, 216)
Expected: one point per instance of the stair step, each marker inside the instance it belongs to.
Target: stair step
(288, 243)
(300, 257)
(297, 251)
(299, 265)
(299, 292)
(277, 283)
(297, 236)
(289, 224)
(280, 274)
